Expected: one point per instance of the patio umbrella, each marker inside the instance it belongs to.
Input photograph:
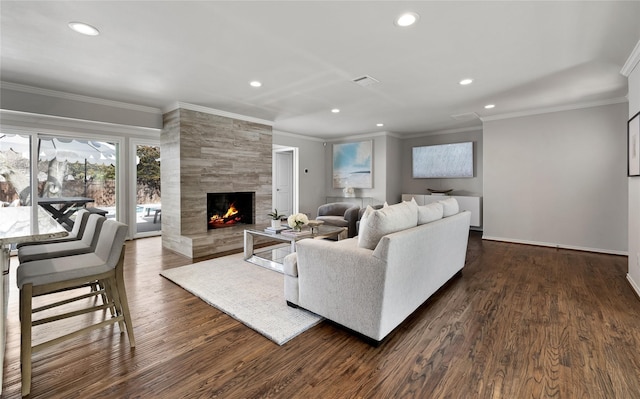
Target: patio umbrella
(89, 152)
(77, 150)
(15, 143)
(70, 150)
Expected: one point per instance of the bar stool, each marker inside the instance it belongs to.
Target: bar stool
(48, 276)
(55, 249)
(76, 233)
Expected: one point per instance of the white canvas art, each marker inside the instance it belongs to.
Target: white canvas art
(443, 161)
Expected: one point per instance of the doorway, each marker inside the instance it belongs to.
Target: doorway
(285, 179)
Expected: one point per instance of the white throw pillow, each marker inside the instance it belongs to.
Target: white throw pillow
(375, 224)
(430, 212)
(450, 206)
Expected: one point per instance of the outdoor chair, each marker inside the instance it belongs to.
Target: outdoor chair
(48, 276)
(79, 226)
(56, 249)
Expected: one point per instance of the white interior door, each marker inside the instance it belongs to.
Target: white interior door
(283, 182)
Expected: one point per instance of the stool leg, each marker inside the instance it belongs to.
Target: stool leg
(25, 337)
(106, 295)
(122, 294)
(116, 309)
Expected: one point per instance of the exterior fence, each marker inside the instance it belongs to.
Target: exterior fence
(104, 193)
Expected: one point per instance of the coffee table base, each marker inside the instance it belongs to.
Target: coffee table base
(271, 257)
(274, 261)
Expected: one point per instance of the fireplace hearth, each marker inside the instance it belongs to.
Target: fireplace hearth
(230, 209)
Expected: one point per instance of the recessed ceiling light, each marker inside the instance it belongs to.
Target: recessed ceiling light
(407, 19)
(83, 28)
(489, 106)
(335, 110)
(379, 124)
(465, 82)
(255, 83)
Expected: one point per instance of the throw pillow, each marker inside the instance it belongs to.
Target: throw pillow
(450, 206)
(430, 212)
(377, 223)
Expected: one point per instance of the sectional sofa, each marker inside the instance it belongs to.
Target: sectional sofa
(370, 283)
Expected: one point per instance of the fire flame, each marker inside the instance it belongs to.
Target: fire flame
(230, 212)
(227, 218)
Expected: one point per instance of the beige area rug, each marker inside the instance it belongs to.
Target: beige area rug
(249, 293)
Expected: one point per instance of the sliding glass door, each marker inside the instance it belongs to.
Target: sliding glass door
(148, 192)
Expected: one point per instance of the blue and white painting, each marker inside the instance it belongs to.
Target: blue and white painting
(352, 165)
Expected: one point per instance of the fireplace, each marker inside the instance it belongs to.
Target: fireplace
(230, 209)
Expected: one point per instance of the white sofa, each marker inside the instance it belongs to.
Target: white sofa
(372, 282)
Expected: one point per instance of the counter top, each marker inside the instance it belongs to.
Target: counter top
(20, 224)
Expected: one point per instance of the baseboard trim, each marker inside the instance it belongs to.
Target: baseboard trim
(558, 246)
(633, 285)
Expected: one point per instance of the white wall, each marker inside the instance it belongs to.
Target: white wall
(381, 159)
(311, 169)
(466, 186)
(634, 182)
(394, 170)
(558, 179)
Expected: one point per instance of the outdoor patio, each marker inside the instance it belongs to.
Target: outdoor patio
(144, 222)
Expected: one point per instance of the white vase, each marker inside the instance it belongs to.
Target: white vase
(275, 223)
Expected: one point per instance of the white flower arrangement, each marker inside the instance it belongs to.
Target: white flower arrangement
(297, 220)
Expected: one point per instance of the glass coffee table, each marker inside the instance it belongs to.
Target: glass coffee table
(272, 257)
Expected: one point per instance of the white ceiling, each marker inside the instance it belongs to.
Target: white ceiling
(522, 55)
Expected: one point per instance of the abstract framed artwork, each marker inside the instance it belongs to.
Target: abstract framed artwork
(633, 145)
(353, 165)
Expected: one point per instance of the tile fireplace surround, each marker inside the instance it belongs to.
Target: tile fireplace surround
(204, 153)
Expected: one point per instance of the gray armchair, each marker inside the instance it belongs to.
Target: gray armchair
(342, 214)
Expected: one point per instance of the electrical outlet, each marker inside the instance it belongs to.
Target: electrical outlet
(638, 256)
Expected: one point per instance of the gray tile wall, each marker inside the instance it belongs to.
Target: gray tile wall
(204, 153)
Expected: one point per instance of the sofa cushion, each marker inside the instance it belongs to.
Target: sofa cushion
(375, 224)
(450, 206)
(430, 212)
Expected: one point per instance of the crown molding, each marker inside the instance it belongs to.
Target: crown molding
(77, 97)
(18, 121)
(550, 110)
(446, 131)
(632, 61)
(298, 136)
(362, 136)
(217, 112)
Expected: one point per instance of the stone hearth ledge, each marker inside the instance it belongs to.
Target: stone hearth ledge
(213, 241)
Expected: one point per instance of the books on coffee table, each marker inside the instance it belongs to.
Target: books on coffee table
(296, 234)
(275, 230)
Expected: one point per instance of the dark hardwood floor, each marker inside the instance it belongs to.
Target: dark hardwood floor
(521, 322)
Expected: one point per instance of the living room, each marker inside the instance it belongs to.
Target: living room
(553, 176)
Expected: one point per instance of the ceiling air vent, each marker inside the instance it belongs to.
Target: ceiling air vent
(465, 117)
(365, 81)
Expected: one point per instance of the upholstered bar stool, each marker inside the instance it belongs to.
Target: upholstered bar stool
(48, 276)
(79, 226)
(56, 249)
